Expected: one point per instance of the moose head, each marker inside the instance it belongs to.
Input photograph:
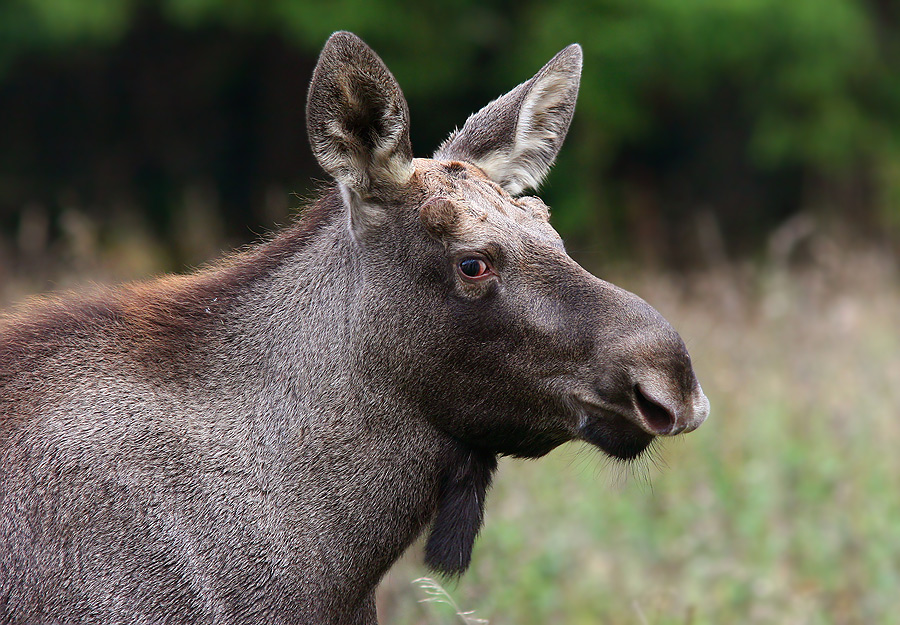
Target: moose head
(485, 322)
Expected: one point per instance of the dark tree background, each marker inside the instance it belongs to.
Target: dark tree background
(705, 131)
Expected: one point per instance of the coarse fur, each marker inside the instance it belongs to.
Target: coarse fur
(258, 442)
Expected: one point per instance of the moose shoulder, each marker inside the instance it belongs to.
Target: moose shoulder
(260, 441)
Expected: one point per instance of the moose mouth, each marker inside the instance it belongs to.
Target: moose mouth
(614, 434)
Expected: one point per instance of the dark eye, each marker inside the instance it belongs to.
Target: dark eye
(474, 268)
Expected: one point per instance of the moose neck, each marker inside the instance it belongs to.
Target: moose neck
(366, 469)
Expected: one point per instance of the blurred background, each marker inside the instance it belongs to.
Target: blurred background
(734, 162)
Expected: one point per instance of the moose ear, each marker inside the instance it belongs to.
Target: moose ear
(515, 138)
(358, 125)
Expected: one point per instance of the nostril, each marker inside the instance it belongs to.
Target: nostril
(660, 420)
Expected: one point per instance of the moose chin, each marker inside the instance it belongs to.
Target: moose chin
(259, 441)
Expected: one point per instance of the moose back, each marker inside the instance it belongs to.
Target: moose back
(259, 441)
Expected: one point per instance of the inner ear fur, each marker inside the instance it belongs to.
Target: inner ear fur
(516, 138)
(358, 119)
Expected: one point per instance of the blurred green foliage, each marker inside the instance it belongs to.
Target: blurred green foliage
(799, 68)
(747, 111)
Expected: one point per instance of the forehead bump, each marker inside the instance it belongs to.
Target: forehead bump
(456, 169)
(440, 216)
(534, 207)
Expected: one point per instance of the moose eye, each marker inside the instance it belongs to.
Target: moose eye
(474, 268)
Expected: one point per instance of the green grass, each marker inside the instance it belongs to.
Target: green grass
(783, 508)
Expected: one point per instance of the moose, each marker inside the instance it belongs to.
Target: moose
(260, 440)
